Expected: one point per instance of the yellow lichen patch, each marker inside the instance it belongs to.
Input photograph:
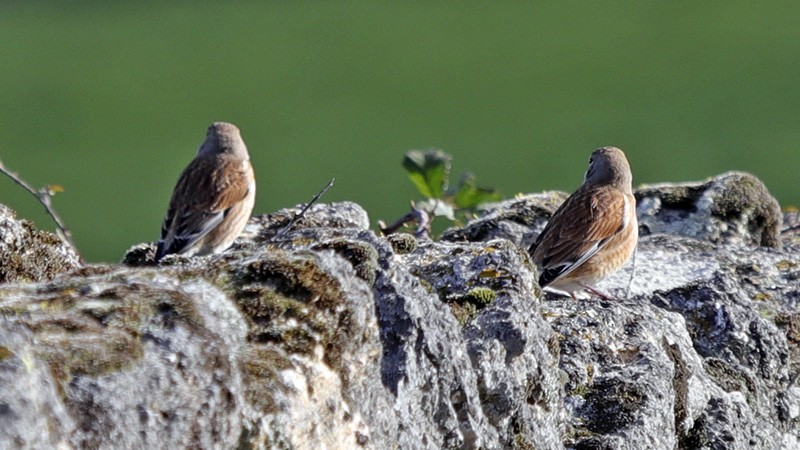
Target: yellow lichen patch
(489, 273)
(5, 353)
(581, 390)
(785, 265)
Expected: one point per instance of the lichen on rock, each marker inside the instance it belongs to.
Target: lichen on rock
(734, 208)
(326, 335)
(136, 358)
(28, 254)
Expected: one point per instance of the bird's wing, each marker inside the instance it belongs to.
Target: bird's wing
(205, 193)
(578, 230)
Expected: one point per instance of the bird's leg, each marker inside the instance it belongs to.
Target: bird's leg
(597, 292)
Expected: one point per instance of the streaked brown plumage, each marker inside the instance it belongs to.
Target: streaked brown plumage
(213, 198)
(594, 232)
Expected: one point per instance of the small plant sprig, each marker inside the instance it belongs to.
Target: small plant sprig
(429, 170)
(44, 195)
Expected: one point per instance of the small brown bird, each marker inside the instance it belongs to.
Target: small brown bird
(594, 232)
(213, 198)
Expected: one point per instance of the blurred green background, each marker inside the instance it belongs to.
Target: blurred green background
(111, 99)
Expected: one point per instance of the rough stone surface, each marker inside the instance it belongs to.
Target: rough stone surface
(28, 254)
(733, 208)
(29, 401)
(519, 220)
(328, 336)
(135, 359)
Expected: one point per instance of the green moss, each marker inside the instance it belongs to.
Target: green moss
(34, 255)
(743, 194)
(402, 243)
(466, 307)
(90, 354)
(73, 340)
(731, 379)
(581, 390)
(522, 443)
(761, 297)
(292, 324)
(361, 255)
(428, 287)
(84, 332)
(481, 296)
(292, 302)
(737, 195)
(790, 323)
(577, 434)
(224, 281)
(261, 365)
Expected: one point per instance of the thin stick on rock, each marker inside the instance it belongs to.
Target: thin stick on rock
(44, 195)
(302, 212)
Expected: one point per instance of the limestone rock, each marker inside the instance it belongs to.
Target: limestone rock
(136, 360)
(328, 336)
(31, 413)
(519, 220)
(28, 254)
(733, 208)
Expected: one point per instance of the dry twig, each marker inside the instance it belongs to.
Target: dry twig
(44, 195)
(302, 212)
(416, 215)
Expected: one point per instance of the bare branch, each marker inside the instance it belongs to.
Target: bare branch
(44, 195)
(416, 215)
(397, 224)
(302, 212)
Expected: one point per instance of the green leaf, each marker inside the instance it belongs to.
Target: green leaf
(469, 195)
(428, 170)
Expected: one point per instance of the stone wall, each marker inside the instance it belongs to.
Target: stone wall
(332, 337)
